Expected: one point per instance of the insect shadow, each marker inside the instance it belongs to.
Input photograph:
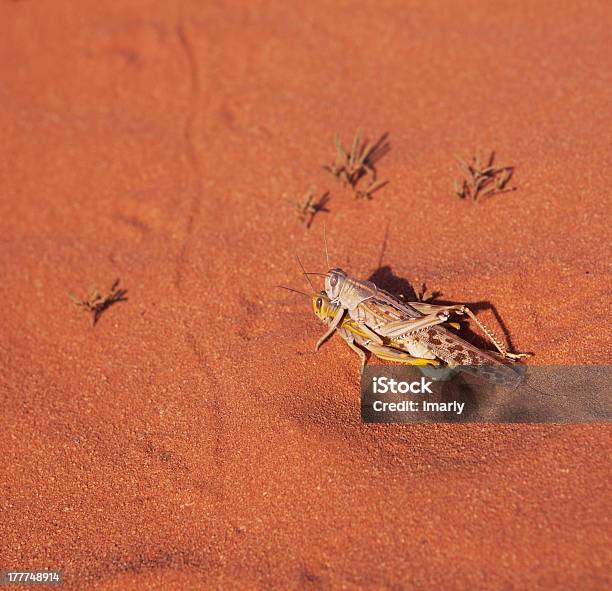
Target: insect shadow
(460, 391)
(385, 279)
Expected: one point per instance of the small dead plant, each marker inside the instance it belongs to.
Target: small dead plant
(96, 302)
(309, 206)
(350, 168)
(481, 178)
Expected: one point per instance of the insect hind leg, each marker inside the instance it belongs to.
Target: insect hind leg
(463, 309)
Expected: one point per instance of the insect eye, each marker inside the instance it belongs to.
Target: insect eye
(333, 281)
(319, 303)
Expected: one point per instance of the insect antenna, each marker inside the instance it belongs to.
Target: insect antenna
(384, 247)
(293, 290)
(305, 274)
(325, 242)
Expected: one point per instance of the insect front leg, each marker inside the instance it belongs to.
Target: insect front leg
(368, 333)
(350, 341)
(332, 327)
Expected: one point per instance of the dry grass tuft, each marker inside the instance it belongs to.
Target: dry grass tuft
(350, 168)
(481, 178)
(96, 303)
(309, 206)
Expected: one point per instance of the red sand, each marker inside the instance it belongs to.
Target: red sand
(193, 439)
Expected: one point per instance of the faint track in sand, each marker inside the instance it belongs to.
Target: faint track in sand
(190, 150)
(218, 476)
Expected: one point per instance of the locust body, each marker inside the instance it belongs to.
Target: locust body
(415, 328)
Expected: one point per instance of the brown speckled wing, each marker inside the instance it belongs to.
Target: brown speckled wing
(456, 351)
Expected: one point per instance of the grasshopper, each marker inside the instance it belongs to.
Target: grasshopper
(419, 348)
(358, 336)
(416, 326)
(416, 349)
